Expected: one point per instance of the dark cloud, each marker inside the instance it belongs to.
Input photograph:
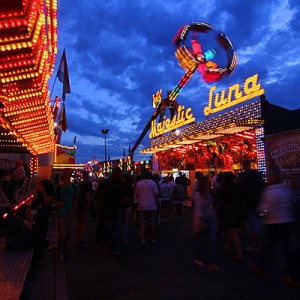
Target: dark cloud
(120, 53)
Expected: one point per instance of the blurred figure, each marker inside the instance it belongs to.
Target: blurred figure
(17, 179)
(99, 211)
(113, 195)
(278, 217)
(196, 205)
(137, 178)
(164, 199)
(251, 184)
(213, 180)
(85, 191)
(207, 224)
(231, 212)
(127, 205)
(177, 197)
(185, 182)
(42, 205)
(66, 201)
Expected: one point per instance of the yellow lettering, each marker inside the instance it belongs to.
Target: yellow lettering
(235, 96)
(222, 101)
(168, 123)
(160, 128)
(183, 118)
(237, 93)
(188, 114)
(208, 109)
(250, 85)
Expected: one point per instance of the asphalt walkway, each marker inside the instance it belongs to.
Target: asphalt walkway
(162, 271)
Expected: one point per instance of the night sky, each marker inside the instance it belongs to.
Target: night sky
(120, 53)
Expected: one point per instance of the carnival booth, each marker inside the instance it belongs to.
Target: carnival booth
(238, 120)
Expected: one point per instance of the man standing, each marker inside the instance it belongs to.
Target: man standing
(147, 193)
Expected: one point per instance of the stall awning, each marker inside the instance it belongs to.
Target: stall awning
(28, 44)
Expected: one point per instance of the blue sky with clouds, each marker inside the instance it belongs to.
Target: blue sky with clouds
(120, 53)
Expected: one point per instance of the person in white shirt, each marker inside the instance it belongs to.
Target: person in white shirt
(146, 192)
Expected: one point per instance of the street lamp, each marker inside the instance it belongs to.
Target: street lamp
(105, 132)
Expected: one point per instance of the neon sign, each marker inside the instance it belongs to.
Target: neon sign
(235, 95)
(182, 118)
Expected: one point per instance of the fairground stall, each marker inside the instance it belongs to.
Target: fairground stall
(28, 44)
(237, 121)
(28, 47)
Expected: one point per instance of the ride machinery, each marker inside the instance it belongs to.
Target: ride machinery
(199, 46)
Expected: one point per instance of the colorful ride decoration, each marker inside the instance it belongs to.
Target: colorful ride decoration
(199, 46)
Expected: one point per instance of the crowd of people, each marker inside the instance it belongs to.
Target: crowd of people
(243, 204)
(224, 204)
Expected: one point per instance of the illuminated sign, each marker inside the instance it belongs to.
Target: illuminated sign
(235, 95)
(182, 118)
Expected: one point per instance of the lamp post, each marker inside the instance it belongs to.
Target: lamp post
(105, 132)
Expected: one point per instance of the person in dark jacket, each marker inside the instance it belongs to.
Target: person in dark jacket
(113, 190)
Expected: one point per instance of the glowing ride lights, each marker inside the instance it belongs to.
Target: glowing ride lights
(214, 59)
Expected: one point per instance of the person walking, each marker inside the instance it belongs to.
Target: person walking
(66, 202)
(280, 229)
(146, 191)
(251, 183)
(231, 213)
(207, 224)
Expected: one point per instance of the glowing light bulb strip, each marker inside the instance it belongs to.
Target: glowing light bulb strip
(31, 120)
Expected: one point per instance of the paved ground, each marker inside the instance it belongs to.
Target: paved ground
(162, 271)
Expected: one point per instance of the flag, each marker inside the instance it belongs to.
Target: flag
(63, 75)
(75, 140)
(63, 118)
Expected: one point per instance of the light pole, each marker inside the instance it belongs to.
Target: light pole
(105, 132)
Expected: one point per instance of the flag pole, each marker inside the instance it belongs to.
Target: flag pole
(53, 86)
(56, 75)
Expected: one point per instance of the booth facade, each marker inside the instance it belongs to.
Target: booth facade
(239, 131)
